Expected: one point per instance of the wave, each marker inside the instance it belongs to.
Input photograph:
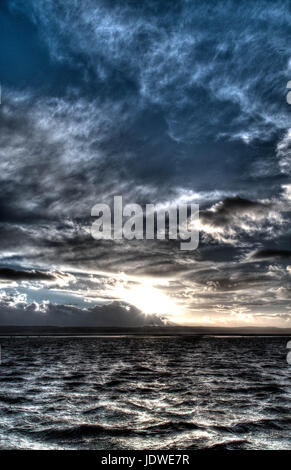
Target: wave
(155, 396)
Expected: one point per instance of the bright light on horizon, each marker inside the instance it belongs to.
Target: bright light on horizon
(149, 300)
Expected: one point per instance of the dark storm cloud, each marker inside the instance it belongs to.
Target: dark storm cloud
(111, 315)
(15, 275)
(223, 212)
(269, 254)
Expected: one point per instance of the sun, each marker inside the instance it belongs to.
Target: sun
(149, 299)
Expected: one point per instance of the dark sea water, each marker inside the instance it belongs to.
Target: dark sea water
(145, 393)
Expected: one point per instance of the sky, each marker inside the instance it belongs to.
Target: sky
(160, 102)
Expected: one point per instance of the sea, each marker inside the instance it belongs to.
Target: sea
(150, 393)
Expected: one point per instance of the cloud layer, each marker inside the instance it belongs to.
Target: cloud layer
(160, 104)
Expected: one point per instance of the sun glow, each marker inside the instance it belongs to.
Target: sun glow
(149, 299)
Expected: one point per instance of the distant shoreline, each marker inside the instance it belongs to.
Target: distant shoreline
(147, 331)
(145, 336)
